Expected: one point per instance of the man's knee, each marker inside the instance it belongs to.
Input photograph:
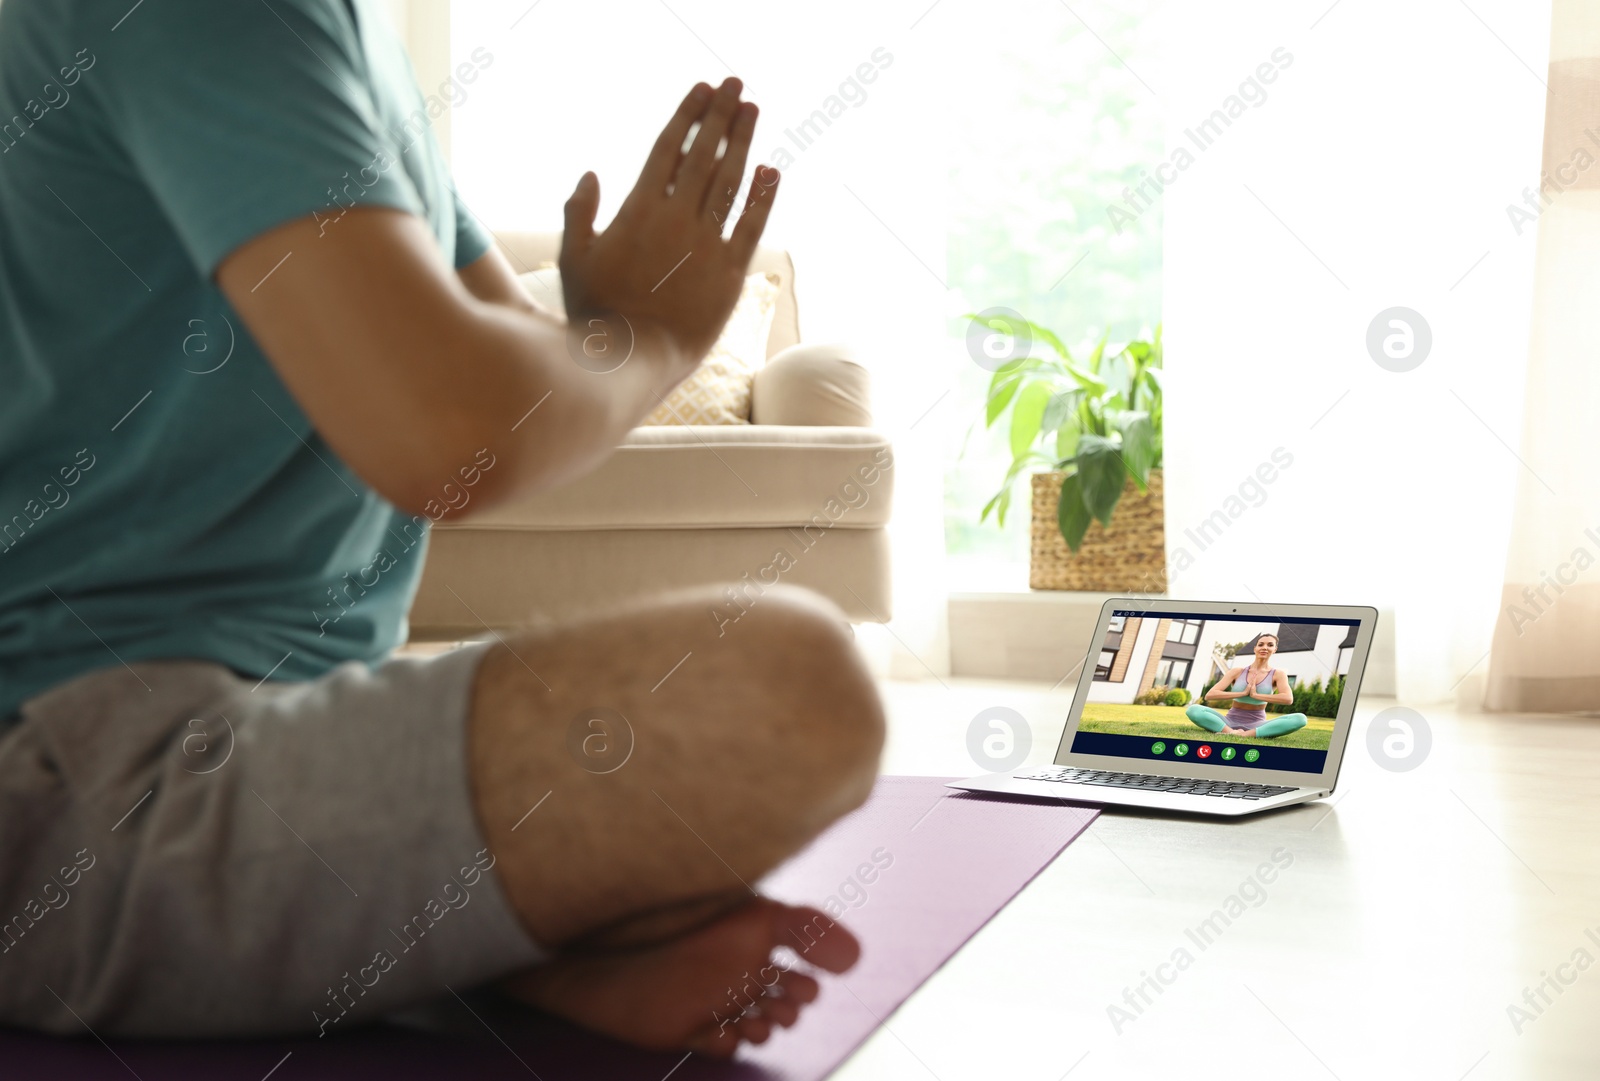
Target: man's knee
(801, 647)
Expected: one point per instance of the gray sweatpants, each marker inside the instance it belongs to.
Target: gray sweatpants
(184, 853)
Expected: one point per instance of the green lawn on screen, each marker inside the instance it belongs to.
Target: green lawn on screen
(1169, 723)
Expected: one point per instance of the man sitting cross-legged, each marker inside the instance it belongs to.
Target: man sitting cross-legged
(247, 336)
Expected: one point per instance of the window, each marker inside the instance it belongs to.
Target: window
(1073, 131)
(1102, 668)
(1114, 632)
(1172, 672)
(1186, 631)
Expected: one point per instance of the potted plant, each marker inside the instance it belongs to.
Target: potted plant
(1090, 430)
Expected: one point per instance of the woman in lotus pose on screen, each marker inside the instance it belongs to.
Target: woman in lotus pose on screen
(1241, 688)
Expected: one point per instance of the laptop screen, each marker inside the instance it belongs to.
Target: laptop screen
(1257, 693)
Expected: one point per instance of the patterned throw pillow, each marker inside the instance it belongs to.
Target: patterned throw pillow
(719, 390)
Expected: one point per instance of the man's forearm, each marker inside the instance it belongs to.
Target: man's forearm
(545, 400)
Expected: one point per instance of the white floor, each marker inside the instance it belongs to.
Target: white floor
(1417, 909)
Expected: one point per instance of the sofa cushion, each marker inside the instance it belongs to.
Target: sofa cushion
(677, 477)
(718, 391)
(812, 384)
(526, 251)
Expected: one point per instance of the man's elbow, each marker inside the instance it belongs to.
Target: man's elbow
(456, 478)
(515, 429)
(466, 477)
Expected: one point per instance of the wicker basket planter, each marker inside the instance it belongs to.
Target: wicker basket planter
(1128, 557)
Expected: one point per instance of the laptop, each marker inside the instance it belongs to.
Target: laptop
(1164, 716)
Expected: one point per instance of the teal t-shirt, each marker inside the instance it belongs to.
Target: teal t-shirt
(161, 494)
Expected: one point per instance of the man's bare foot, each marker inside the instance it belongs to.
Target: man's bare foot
(706, 990)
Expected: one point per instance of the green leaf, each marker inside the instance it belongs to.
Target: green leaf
(1001, 391)
(1091, 421)
(1102, 474)
(1149, 378)
(1153, 378)
(1087, 380)
(1117, 377)
(988, 507)
(1027, 414)
(1072, 515)
(1015, 328)
(1099, 351)
(1034, 361)
(1048, 336)
(961, 453)
(1139, 447)
(1067, 433)
(1006, 380)
(1019, 366)
(1000, 501)
(1062, 405)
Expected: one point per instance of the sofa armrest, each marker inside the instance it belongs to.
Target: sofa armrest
(812, 385)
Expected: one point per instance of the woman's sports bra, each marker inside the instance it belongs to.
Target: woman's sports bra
(1238, 685)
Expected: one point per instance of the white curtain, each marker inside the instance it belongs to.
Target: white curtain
(1371, 173)
(1545, 655)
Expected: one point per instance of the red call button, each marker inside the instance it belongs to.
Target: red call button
(1204, 751)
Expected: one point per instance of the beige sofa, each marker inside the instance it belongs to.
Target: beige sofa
(800, 495)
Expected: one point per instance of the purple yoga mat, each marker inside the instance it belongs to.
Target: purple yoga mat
(918, 871)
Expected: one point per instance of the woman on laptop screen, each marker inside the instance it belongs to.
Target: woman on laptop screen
(1241, 688)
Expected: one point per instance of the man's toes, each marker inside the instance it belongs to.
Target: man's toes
(716, 1041)
(798, 987)
(816, 938)
(782, 1012)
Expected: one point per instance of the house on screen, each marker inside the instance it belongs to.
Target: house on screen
(1142, 652)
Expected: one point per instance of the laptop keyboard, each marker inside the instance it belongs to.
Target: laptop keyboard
(1143, 782)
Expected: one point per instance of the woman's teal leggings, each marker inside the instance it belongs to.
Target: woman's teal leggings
(1212, 721)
